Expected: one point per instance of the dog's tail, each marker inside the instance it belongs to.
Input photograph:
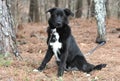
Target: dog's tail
(91, 67)
(83, 65)
(99, 67)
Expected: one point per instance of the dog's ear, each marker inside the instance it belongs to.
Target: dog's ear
(51, 10)
(68, 12)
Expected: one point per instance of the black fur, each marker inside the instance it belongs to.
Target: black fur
(70, 56)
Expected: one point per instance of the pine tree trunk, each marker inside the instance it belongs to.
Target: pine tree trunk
(56, 3)
(88, 11)
(100, 15)
(7, 33)
(107, 8)
(79, 4)
(34, 11)
(119, 10)
(92, 8)
(69, 4)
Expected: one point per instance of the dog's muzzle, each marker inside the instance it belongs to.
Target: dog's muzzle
(58, 24)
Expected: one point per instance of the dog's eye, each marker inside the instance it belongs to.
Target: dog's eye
(61, 15)
(55, 15)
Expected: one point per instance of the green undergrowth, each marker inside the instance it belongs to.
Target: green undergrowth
(5, 60)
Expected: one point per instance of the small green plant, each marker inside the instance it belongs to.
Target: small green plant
(95, 78)
(5, 61)
(26, 79)
(60, 79)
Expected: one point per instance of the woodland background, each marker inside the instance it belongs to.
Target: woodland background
(21, 9)
(31, 25)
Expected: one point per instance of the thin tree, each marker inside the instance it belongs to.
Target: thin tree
(56, 3)
(118, 9)
(34, 11)
(92, 8)
(100, 10)
(69, 4)
(7, 33)
(79, 4)
(107, 8)
(88, 11)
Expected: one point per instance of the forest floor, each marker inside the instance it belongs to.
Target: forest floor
(31, 40)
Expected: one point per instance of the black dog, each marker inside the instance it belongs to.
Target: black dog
(61, 43)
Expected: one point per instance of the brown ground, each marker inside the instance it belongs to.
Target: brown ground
(32, 45)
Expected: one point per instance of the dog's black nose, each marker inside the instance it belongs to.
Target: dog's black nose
(58, 24)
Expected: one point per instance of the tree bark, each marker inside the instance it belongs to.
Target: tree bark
(78, 8)
(100, 15)
(34, 11)
(56, 3)
(7, 33)
(69, 4)
(119, 10)
(107, 8)
(88, 10)
(91, 8)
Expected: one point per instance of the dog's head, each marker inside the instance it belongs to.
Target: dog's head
(59, 17)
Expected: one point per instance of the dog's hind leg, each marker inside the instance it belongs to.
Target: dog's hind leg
(83, 65)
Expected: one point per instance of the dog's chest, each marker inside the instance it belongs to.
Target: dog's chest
(55, 43)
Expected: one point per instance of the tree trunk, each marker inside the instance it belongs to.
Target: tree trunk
(100, 15)
(7, 33)
(88, 9)
(34, 11)
(56, 3)
(91, 9)
(119, 10)
(69, 4)
(92, 14)
(78, 8)
(107, 8)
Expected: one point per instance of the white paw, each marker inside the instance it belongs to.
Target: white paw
(87, 75)
(35, 70)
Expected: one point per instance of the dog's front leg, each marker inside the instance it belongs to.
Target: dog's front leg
(62, 64)
(47, 58)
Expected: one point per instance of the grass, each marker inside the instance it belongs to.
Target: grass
(95, 78)
(5, 61)
(26, 79)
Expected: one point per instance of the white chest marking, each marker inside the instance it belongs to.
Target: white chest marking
(56, 45)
